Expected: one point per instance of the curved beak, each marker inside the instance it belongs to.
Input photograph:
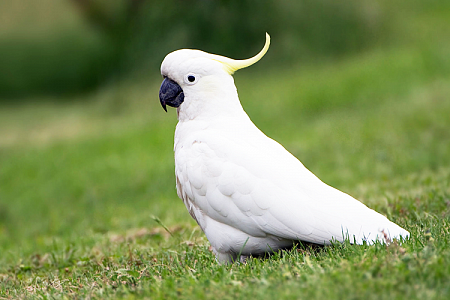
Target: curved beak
(170, 94)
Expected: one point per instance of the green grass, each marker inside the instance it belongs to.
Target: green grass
(84, 184)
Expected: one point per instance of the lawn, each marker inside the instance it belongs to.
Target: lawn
(88, 206)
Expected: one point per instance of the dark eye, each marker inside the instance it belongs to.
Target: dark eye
(191, 78)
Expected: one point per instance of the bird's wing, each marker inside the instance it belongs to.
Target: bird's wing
(261, 189)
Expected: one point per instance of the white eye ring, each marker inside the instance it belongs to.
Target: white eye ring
(190, 78)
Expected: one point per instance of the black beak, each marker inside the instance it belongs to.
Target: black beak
(170, 94)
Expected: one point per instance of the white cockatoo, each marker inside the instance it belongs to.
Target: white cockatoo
(248, 193)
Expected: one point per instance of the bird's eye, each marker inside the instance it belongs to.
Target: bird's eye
(190, 78)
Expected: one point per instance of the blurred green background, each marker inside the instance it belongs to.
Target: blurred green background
(60, 47)
(357, 90)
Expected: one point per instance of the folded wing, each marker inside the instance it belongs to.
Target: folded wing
(258, 187)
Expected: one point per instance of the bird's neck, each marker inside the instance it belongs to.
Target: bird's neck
(212, 103)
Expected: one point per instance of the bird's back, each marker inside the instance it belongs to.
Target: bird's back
(249, 181)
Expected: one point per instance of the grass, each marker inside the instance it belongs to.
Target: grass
(88, 207)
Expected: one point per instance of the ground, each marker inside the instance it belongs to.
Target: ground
(88, 206)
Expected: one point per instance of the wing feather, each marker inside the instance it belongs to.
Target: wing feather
(260, 188)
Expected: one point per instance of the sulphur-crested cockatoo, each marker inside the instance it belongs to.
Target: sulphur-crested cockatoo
(248, 193)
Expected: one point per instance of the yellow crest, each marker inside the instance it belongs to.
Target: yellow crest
(232, 65)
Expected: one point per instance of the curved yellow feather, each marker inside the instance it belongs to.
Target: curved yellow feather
(232, 65)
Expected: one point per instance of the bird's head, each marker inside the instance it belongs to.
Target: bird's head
(195, 80)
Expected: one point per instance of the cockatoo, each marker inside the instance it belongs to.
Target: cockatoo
(248, 194)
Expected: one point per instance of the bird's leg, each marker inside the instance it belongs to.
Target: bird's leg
(225, 257)
(243, 259)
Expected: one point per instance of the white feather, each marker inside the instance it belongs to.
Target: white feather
(248, 193)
